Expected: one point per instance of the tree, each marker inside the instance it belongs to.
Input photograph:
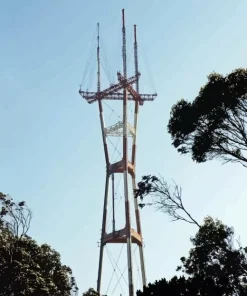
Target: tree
(90, 292)
(214, 257)
(166, 198)
(175, 287)
(25, 267)
(214, 266)
(214, 124)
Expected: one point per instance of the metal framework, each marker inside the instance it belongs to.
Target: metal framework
(127, 165)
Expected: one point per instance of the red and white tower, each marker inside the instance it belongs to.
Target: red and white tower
(126, 90)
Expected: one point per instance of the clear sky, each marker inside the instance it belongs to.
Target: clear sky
(51, 153)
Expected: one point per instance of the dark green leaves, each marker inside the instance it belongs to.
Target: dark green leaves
(27, 268)
(214, 266)
(214, 124)
(90, 292)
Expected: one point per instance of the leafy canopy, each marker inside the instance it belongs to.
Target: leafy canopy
(27, 268)
(90, 292)
(214, 266)
(214, 124)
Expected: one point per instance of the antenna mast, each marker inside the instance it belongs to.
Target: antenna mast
(137, 211)
(136, 59)
(125, 164)
(98, 60)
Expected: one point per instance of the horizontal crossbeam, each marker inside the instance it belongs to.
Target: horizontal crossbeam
(112, 89)
(116, 96)
(111, 93)
(118, 167)
(120, 237)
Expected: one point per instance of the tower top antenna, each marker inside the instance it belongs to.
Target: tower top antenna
(98, 60)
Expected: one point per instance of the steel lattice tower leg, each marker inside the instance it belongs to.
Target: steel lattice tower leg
(127, 165)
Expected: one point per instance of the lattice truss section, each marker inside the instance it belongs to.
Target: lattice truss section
(116, 130)
(121, 223)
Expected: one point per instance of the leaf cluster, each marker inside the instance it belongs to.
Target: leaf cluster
(27, 268)
(214, 266)
(214, 124)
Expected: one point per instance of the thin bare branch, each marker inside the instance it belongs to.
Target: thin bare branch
(166, 198)
(15, 216)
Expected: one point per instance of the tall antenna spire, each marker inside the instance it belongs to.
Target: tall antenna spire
(125, 164)
(138, 219)
(124, 47)
(98, 60)
(136, 59)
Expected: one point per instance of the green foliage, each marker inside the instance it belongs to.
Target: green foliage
(181, 286)
(214, 266)
(214, 124)
(90, 292)
(174, 287)
(214, 257)
(25, 267)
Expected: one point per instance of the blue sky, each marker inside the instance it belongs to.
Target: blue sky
(51, 153)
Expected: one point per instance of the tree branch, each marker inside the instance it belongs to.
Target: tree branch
(166, 198)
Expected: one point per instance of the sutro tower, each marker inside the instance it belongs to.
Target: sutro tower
(124, 91)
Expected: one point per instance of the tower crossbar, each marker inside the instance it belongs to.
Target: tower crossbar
(127, 89)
